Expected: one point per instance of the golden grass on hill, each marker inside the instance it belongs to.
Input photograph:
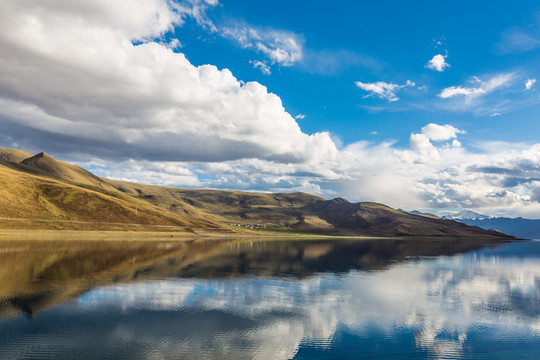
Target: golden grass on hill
(13, 155)
(222, 205)
(41, 203)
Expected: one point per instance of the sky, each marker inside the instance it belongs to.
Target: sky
(426, 105)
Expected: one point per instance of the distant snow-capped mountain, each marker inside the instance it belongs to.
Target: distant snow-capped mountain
(519, 227)
(467, 215)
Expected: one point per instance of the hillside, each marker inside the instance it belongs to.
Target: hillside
(13, 155)
(35, 202)
(380, 220)
(299, 212)
(226, 206)
(52, 194)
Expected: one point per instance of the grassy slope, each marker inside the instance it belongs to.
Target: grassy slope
(13, 155)
(299, 212)
(33, 197)
(224, 206)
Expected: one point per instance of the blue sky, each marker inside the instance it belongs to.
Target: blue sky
(424, 105)
(386, 41)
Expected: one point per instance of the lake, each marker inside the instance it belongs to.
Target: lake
(270, 299)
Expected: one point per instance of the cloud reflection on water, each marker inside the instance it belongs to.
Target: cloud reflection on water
(442, 300)
(484, 303)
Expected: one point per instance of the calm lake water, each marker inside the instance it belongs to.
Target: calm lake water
(260, 299)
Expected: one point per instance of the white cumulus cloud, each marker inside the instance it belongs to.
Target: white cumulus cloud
(530, 83)
(441, 132)
(71, 71)
(438, 63)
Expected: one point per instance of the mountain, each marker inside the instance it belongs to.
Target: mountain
(40, 192)
(466, 215)
(519, 227)
(416, 212)
(380, 220)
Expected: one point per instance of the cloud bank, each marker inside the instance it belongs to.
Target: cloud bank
(86, 80)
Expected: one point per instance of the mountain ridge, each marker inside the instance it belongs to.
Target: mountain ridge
(42, 186)
(520, 227)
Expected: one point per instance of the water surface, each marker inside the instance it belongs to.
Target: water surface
(260, 299)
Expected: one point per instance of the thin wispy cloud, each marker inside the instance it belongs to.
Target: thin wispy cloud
(331, 62)
(279, 46)
(521, 38)
(197, 10)
(481, 88)
(383, 90)
(518, 40)
(262, 66)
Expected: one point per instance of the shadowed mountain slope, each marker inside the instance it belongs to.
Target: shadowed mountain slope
(380, 220)
(523, 228)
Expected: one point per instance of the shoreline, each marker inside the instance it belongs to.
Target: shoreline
(158, 235)
(82, 235)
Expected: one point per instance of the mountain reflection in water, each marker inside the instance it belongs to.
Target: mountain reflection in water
(411, 298)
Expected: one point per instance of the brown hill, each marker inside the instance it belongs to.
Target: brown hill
(238, 207)
(34, 202)
(380, 220)
(61, 170)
